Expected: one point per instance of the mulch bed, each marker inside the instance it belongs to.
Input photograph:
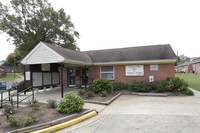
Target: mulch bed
(43, 113)
(98, 97)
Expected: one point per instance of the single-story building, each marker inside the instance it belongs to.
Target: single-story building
(182, 68)
(49, 64)
(191, 67)
(2, 72)
(194, 66)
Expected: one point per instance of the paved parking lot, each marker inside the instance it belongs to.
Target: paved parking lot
(141, 114)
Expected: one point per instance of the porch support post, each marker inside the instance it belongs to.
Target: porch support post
(62, 80)
(85, 78)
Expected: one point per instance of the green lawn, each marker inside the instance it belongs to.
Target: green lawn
(9, 77)
(192, 79)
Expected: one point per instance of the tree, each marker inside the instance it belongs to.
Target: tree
(28, 22)
(182, 59)
(13, 59)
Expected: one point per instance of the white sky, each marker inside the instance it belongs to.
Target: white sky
(105, 24)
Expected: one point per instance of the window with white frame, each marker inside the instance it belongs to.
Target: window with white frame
(107, 72)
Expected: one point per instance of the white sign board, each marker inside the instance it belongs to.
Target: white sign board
(135, 70)
(9, 85)
(45, 67)
(153, 67)
(151, 78)
(28, 76)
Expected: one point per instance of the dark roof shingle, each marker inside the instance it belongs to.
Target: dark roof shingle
(154, 52)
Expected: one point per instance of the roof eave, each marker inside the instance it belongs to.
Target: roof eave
(163, 61)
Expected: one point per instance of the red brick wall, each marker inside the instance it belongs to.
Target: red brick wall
(165, 70)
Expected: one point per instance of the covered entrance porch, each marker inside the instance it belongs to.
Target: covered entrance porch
(52, 66)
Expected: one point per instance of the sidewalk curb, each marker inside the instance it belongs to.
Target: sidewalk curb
(104, 103)
(66, 124)
(49, 124)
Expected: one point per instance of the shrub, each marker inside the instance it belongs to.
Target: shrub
(31, 102)
(29, 120)
(36, 105)
(14, 122)
(80, 92)
(140, 87)
(20, 86)
(185, 90)
(70, 103)
(90, 94)
(52, 103)
(119, 86)
(104, 93)
(100, 85)
(8, 109)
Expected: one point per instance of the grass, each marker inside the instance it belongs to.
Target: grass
(9, 77)
(193, 80)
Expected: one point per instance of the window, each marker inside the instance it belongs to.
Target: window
(107, 72)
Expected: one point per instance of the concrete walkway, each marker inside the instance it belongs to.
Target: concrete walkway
(196, 93)
(140, 114)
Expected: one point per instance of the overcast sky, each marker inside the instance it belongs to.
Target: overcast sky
(105, 24)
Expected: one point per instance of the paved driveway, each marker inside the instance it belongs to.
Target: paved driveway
(140, 114)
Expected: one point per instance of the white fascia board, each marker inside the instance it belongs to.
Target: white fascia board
(24, 61)
(138, 62)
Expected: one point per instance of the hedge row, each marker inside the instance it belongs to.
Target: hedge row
(174, 84)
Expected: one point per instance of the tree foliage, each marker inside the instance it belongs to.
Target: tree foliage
(13, 59)
(28, 22)
(182, 59)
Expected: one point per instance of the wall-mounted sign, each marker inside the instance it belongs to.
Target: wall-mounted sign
(45, 67)
(151, 78)
(28, 75)
(153, 67)
(135, 70)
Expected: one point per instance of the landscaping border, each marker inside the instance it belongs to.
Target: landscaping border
(104, 103)
(51, 123)
(128, 93)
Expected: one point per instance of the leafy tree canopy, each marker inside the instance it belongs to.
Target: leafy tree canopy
(28, 22)
(13, 59)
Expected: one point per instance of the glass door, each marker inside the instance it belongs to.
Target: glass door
(84, 77)
(71, 76)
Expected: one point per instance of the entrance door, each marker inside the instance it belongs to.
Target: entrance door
(84, 76)
(71, 76)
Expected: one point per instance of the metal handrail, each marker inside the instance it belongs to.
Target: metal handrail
(16, 94)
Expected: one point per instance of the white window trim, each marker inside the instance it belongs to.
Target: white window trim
(113, 72)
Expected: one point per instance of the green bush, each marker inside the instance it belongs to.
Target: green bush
(104, 93)
(173, 84)
(80, 92)
(20, 86)
(140, 86)
(70, 103)
(31, 102)
(30, 119)
(100, 85)
(52, 103)
(14, 122)
(8, 109)
(36, 105)
(90, 94)
(119, 86)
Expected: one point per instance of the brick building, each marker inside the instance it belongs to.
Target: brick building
(2, 72)
(48, 64)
